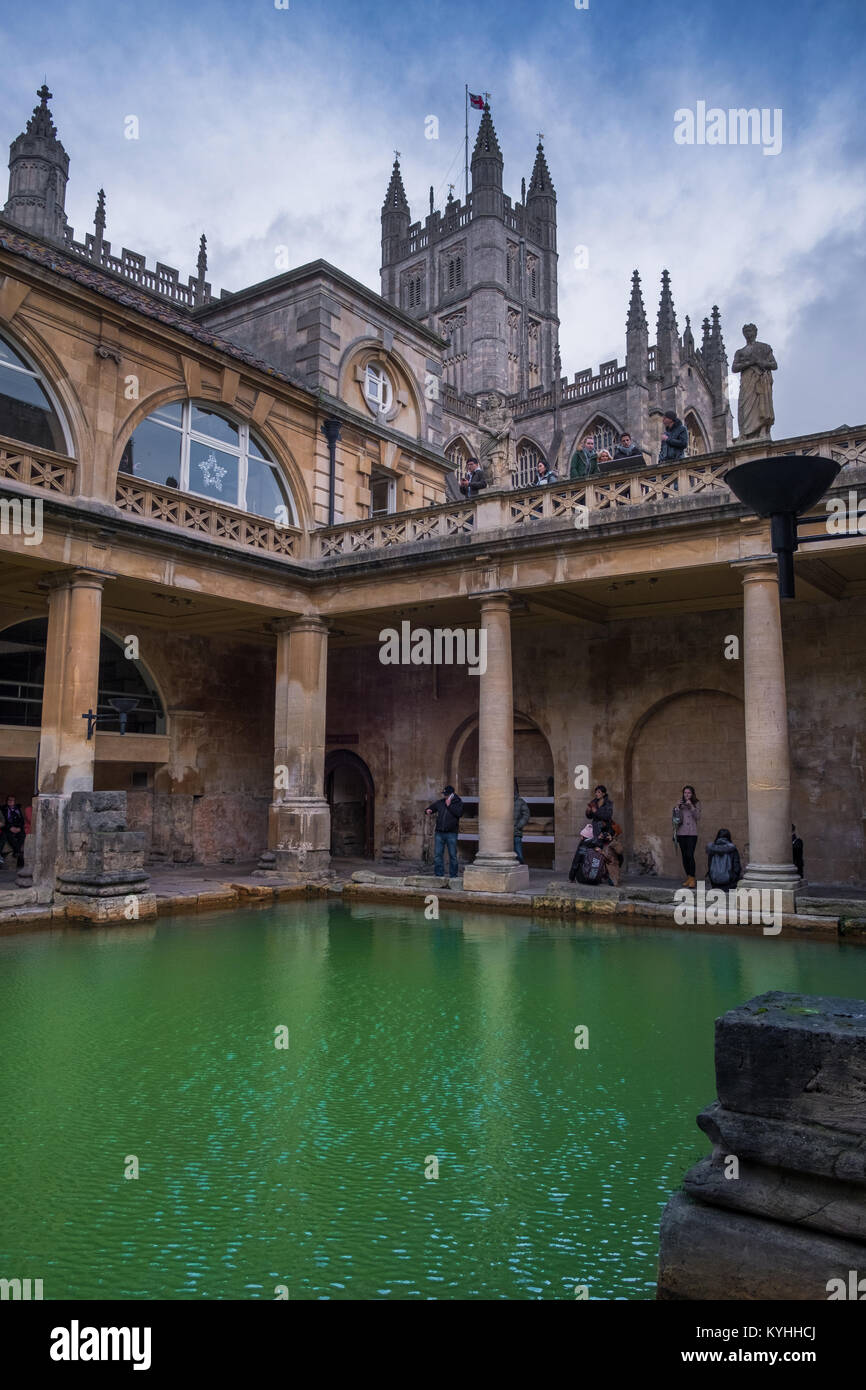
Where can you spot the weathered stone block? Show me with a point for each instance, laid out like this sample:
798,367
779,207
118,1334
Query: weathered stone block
820,1203
802,1147
708,1253
795,1057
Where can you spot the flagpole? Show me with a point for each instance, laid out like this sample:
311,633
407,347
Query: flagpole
466,149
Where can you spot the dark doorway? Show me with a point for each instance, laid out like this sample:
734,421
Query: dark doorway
349,789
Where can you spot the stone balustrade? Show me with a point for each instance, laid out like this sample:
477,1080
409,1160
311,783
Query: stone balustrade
228,525
39,468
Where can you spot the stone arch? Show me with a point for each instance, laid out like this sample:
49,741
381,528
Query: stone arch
706,726
31,635
698,442
354,360
351,795
605,430
534,772
56,383
281,455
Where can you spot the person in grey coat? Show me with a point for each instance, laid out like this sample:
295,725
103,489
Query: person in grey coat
522,815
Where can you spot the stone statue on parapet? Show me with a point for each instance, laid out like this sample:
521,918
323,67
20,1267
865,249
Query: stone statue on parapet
495,454
755,363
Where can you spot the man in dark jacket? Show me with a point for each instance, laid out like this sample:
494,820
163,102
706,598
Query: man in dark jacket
675,439
12,830
447,810
627,449
474,480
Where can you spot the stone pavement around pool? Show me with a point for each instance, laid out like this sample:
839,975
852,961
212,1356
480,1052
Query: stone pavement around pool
821,909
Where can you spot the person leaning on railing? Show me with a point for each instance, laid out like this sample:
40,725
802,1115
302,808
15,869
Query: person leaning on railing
474,480
544,474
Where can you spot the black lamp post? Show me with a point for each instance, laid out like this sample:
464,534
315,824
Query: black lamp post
123,705
331,431
783,488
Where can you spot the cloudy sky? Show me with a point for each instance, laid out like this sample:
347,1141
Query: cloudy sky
269,127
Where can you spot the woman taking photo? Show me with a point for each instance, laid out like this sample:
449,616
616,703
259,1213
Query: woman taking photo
686,819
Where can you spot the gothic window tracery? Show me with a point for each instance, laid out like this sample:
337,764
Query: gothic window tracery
528,458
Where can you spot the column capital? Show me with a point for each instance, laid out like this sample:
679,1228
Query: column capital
300,622
757,568
80,578
492,598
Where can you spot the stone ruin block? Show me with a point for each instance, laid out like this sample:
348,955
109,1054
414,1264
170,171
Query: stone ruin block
778,1211
101,874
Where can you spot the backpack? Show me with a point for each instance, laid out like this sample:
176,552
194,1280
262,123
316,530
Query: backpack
589,865
722,868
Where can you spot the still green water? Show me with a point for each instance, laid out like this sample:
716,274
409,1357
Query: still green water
408,1040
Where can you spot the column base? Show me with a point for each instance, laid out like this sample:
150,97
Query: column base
299,838
496,873
774,878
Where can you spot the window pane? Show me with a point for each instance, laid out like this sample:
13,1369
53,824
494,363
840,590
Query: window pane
8,354
256,449
153,453
214,426
26,412
265,497
213,473
172,414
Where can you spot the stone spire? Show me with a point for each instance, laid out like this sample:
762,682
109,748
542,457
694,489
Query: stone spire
688,341
201,263
636,337
667,320
541,199
99,225
636,311
38,171
667,338
395,198
486,165
715,364
395,229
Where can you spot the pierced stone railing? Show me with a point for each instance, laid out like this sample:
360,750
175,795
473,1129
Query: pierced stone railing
429,523
42,468
603,496
228,525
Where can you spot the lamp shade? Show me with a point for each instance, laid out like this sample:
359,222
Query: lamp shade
787,484
124,704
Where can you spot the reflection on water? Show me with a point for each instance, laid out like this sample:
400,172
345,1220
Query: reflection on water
408,1040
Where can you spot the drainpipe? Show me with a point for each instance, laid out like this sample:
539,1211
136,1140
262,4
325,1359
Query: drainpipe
331,431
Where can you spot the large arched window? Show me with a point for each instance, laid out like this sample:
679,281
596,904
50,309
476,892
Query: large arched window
192,447
26,411
22,676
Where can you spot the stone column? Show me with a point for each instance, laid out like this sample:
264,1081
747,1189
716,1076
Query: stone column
299,820
496,868
768,771
66,755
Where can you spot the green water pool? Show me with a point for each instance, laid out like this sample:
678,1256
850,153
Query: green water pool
308,1168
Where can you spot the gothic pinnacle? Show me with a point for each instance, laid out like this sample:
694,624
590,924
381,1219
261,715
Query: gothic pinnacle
202,257
667,319
636,311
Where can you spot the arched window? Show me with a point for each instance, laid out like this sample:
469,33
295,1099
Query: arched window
22,676
603,433
697,441
458,452
197,449
528,458
26,411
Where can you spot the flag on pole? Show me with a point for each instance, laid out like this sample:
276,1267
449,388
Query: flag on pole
477,102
